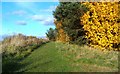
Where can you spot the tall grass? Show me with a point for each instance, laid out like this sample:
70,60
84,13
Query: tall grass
90,58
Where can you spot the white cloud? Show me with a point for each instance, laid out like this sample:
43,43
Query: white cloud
38,18
49,21
46,20
19,12
50,9
21,22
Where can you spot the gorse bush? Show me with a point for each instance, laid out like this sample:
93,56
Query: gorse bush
61,34
101,23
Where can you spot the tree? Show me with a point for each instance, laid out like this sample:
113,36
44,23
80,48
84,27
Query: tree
69,14
51,34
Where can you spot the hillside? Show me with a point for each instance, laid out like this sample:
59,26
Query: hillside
59,57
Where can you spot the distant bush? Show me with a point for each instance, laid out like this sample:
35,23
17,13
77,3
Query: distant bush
18,43
51,34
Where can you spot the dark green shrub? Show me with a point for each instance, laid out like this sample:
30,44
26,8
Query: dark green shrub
51,34
69,13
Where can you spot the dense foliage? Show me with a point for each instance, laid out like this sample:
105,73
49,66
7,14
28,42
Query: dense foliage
61,34
51,34
67,14
101,23
95,22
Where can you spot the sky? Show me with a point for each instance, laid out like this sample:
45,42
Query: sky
28,18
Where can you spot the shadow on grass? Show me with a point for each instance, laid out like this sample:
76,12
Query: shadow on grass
11,63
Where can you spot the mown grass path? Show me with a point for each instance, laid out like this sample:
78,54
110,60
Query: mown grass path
59,57
45,59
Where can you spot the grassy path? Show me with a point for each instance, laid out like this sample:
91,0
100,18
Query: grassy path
45,59
59,57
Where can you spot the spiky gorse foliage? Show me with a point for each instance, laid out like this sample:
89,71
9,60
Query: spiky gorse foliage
101,23
61,35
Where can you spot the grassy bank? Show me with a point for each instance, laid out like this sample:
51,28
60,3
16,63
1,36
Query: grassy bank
59,57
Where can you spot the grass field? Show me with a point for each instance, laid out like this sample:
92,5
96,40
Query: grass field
60,57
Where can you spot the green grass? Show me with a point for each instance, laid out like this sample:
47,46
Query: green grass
45,59
64,57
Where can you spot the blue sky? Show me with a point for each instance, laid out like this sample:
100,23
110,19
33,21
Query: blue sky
28,18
